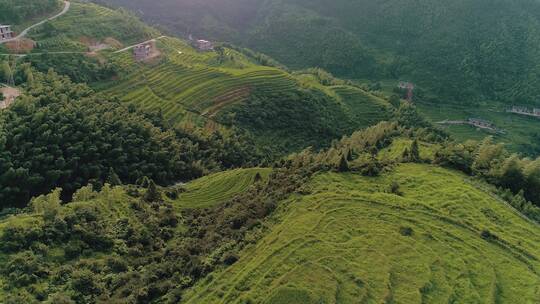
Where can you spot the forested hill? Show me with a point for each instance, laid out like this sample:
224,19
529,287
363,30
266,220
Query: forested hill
18,11
460,50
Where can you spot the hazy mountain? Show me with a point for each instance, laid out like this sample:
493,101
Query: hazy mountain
460,50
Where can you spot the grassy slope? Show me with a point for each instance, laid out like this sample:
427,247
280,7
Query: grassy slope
17,27
190,88
87,20
219,187
521,131
345,243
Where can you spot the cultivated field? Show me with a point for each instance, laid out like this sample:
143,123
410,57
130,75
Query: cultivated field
350,241
219,187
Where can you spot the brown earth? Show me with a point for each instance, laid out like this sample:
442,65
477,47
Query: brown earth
22,45
9,96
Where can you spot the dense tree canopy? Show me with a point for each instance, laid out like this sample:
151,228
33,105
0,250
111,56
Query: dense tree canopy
17,11
62,134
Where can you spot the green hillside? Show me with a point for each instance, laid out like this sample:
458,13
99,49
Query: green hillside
214,90
213,189
459,57
223,176
464,65
85,23
20,12
350,241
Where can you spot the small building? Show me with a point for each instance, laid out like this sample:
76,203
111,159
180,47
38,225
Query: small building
525,111
142,51
204,45
406,85
480,123
409,87
5,32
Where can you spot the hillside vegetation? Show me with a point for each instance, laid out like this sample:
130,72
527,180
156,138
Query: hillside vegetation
457,56
228,88
171,179
15,12
213,189
351,241
61,134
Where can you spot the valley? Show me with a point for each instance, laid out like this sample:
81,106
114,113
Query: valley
261,151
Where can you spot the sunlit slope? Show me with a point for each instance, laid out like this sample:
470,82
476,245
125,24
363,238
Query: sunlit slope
217,188
192,87
186,81
85,23
349,241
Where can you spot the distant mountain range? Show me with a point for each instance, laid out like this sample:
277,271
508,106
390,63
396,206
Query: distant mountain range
461,51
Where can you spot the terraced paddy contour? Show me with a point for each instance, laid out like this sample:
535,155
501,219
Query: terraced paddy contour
349,241
219,187
188,81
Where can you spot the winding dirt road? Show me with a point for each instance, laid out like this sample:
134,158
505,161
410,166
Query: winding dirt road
67,5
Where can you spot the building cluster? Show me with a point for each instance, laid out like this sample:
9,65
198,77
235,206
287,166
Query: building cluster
405,85
204,45
201,44
480,123
142,51
525,111
409,87
5,32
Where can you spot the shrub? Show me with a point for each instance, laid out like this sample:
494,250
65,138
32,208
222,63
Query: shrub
395,188
406,231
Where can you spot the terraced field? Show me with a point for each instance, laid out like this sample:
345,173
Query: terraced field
395,151
188,81
350,241
521,132
218,188
365,109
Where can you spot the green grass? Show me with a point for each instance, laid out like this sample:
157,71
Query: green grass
364,108
28,22
88,20
219,187
395,150
520,130
350,241
187,81
192,87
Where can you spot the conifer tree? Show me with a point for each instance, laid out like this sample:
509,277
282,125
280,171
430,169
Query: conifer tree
343,164
152,194
113,179
415,152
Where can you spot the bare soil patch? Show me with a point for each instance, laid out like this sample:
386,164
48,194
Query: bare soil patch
9,96
22,45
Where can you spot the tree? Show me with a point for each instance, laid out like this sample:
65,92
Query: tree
113,179
395,101
152,194
221,53
395,188
415,152
511,174
343,164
